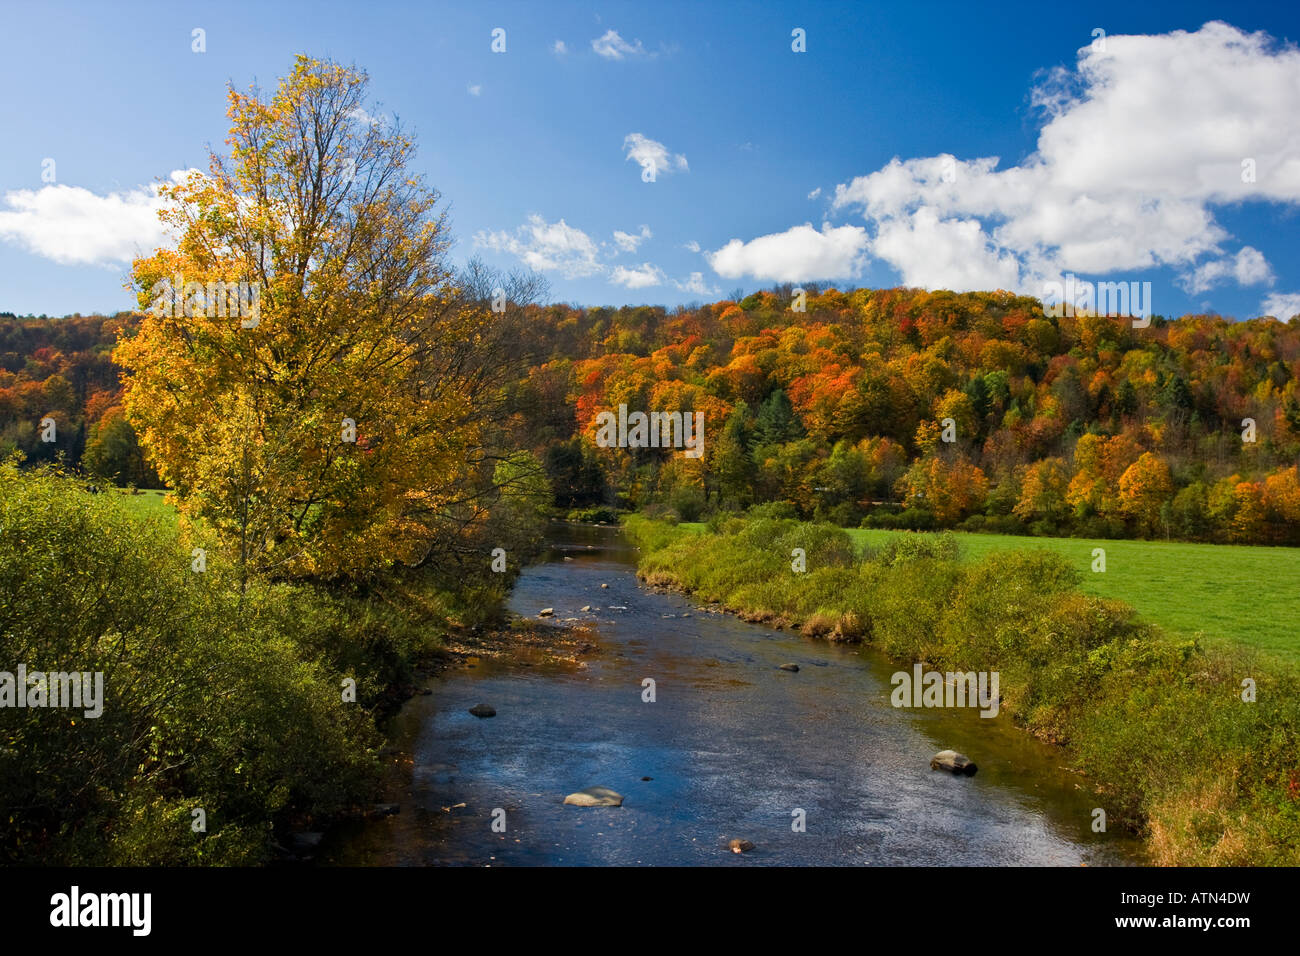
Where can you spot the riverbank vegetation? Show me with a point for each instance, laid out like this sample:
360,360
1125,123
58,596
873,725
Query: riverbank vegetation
343,494
1188,589
218,701
1158,724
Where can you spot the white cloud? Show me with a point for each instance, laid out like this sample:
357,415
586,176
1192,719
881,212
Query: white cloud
547,247
613,47
798,254
474,89
641,277
1281,305
74,226
559,48
652,155
695,283
693,246
815,193
361,116
945,254
1140,142
628,241
1247,267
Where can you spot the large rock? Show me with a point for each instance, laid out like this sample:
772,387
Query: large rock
953,762
483,710
546,612
792,668
740,846
595,797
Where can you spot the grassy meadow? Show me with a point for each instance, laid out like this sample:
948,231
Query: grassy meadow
1212,591
147,504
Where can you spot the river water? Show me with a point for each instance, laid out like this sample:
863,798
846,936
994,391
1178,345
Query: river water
733,746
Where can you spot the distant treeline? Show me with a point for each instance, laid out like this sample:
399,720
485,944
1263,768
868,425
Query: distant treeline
1189,428
63,369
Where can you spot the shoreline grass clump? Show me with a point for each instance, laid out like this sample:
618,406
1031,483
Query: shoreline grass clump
1158,722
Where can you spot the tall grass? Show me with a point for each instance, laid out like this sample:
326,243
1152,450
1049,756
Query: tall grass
1159,723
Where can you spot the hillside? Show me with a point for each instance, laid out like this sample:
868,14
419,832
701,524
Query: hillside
893,408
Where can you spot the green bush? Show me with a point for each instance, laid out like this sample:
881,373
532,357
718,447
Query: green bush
210,698
597,515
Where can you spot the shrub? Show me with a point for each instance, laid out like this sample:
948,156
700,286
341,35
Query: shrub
911,547
209,698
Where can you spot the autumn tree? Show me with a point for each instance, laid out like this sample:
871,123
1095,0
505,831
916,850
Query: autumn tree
334,413
1143,488
950,490
1042,491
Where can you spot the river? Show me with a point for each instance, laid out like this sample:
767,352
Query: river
732,744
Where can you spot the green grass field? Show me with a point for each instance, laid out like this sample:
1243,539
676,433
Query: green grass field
147,504
1216,591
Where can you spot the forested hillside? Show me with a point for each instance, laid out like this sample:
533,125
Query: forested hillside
890,408
62,369
1061,425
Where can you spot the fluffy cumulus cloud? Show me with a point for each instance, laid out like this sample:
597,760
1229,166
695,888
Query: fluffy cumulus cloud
694,283
613,47
628,241
1282,305
798,254
638,277
559,48
547,247
1140,142
652,156
559,247
1247,267
74,226
945,253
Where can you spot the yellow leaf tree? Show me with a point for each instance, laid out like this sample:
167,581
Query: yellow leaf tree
310,376
1143,488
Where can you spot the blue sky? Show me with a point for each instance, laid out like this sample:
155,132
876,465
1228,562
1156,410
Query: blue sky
866,160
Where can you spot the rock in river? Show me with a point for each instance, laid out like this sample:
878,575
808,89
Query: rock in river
952,761
740,846
793,668
483,710
546,612
595,797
